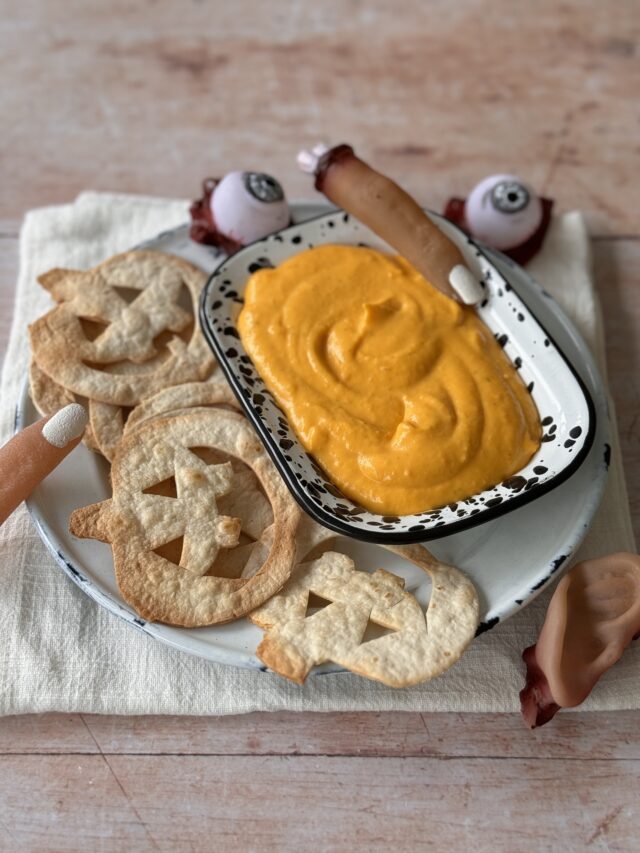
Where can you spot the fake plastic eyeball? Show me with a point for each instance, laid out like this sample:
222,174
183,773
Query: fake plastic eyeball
249,205
503,211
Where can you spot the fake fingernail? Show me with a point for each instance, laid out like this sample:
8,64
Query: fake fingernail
465,284
65,425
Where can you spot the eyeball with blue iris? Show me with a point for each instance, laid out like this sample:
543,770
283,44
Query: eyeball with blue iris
503,211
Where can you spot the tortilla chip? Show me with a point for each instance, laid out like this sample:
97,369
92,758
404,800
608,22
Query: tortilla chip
413,648
140,519
126,332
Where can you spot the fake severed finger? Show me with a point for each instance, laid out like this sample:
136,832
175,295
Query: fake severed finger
35,451
393,215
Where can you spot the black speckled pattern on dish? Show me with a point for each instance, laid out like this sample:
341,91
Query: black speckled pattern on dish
566,410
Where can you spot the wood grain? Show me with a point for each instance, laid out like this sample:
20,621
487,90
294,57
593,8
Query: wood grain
151,97
573,735
275,803
45,733
70,803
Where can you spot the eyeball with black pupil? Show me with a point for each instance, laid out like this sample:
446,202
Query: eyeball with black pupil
510,197
503,211
247,206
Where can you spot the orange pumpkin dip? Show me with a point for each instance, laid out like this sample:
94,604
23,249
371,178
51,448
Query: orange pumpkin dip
402,395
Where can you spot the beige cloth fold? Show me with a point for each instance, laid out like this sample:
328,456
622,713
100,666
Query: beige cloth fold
60,651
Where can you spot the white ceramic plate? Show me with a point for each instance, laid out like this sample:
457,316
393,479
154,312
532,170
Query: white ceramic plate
510,559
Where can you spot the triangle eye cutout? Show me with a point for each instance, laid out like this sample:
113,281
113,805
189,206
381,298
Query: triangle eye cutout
167,488
129,294
316,603
92,328
171,551
209,455
374,631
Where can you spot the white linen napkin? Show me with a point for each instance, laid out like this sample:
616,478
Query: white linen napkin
59,651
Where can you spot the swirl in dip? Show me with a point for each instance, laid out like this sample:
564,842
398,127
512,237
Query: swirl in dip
402,395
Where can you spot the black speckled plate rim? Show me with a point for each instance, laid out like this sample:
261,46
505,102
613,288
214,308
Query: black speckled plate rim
388,537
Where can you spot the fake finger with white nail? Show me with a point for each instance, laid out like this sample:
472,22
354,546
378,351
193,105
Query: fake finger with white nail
34,452
393,215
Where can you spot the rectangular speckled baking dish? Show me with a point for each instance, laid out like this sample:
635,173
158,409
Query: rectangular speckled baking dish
565,406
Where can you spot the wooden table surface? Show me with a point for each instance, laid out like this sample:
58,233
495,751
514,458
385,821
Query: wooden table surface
151,97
